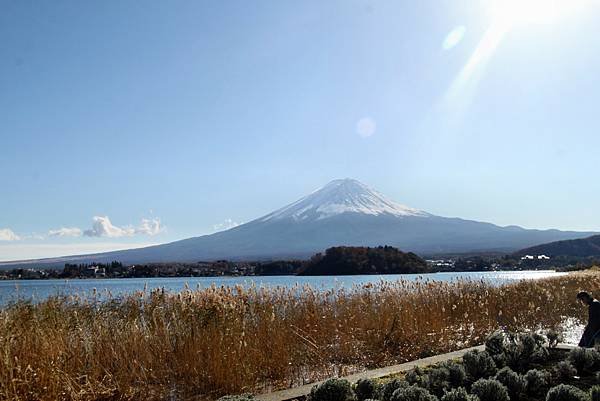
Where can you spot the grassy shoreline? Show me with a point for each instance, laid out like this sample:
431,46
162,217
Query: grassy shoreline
205,343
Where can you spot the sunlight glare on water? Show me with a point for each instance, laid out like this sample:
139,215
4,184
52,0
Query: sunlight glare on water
572,330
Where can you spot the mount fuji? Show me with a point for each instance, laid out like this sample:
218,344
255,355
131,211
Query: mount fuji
343,212
339,197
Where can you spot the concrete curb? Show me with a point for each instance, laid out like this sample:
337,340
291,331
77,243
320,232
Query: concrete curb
302,391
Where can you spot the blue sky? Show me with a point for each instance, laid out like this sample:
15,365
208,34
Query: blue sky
132,124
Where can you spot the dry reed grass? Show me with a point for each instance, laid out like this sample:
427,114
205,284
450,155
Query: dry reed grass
205,343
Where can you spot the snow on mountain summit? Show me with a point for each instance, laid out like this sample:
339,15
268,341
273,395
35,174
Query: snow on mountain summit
342,196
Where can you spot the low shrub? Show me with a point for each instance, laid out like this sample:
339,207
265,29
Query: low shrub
458,394
536,381
490,390
513,356
494,343
532,343
412,393
495,346
479,364
564,371
565,392
595,393
585,360
386,390
365,389
456,373
514,382
540,355
416,376
438,380
523,349
553,337
332,390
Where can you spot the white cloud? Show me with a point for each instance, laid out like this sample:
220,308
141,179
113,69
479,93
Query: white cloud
366,127
226,225
66,232
103,227
6,234
149,227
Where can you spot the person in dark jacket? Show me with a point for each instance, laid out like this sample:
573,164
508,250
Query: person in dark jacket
592,330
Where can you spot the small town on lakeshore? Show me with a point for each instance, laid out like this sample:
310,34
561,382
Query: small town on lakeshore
220,268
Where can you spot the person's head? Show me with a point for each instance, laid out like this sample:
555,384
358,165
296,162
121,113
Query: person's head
584,298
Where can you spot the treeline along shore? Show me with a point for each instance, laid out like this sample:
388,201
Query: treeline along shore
204,343
334,261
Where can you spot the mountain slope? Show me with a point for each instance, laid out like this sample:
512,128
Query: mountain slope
583,247
344,212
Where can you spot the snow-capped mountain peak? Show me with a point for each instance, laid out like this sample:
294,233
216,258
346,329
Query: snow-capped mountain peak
342,196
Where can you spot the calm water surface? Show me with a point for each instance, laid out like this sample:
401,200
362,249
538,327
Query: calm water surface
11,290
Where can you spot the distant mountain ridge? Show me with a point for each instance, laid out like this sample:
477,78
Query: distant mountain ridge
344,212
583,247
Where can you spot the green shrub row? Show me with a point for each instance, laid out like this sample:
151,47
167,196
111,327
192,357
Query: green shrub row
480,390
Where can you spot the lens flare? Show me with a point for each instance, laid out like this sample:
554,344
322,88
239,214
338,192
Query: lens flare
454,37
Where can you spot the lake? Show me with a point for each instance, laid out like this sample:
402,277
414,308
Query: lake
36,290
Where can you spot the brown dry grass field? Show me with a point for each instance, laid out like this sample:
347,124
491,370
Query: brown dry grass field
205,343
